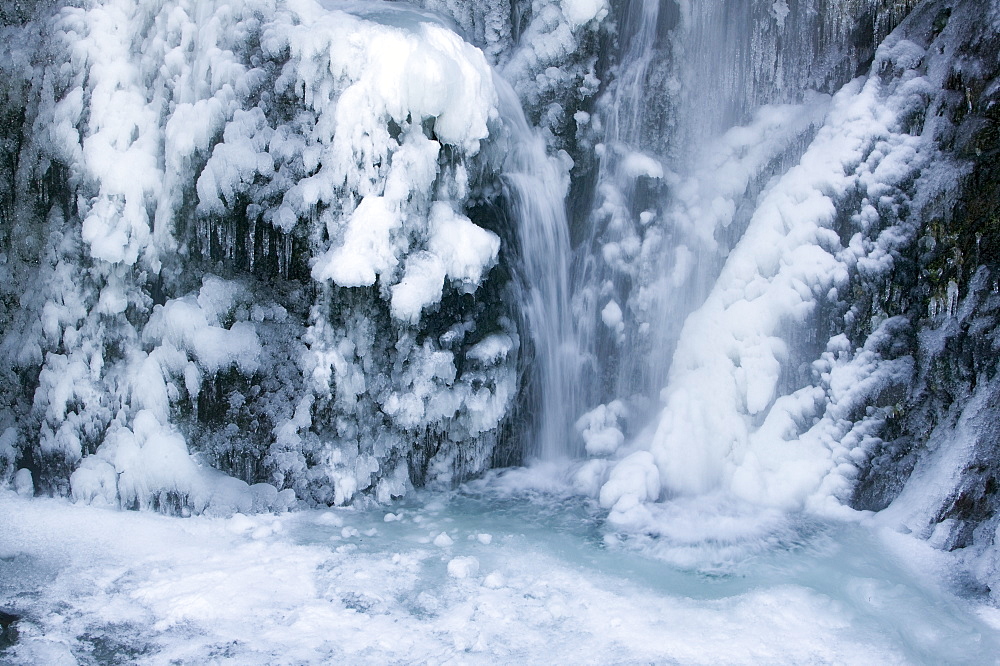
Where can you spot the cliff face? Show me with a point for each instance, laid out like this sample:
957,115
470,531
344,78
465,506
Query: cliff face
273,243
937,469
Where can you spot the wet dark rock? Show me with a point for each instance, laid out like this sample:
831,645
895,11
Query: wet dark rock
950,295
8,629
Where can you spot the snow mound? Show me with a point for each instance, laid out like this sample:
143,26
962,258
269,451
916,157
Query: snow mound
463,567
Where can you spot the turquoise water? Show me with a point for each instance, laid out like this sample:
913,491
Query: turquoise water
495,572
880,593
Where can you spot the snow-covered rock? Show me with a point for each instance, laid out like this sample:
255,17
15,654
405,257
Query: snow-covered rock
276,235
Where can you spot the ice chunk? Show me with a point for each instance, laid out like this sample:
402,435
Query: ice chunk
781,11
286,500
611,315
491,349
265,497
150,459
633,481
421,286
185,323
367,250
467,251
600,428
582,11
457,250
640,164
95,481
23,485
329,518
494,580
463,567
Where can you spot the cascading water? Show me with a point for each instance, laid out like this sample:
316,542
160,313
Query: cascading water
535,188
708,102
606,263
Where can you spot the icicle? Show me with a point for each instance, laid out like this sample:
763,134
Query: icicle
230,242
952,298
284,254
205,237
250,242
288,252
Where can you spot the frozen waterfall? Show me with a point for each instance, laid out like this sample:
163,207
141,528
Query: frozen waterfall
513,330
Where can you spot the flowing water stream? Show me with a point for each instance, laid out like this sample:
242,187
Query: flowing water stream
535,189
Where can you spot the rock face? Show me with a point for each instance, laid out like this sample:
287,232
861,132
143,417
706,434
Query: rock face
937,470
8,629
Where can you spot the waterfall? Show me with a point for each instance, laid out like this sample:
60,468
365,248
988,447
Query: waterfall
645,331
615,249
535,188
700,210
345,202
685,153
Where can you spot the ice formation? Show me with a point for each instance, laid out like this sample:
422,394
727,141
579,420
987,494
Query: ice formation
774,257
258,238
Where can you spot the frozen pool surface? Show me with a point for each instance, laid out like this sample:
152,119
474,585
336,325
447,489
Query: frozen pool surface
492,573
